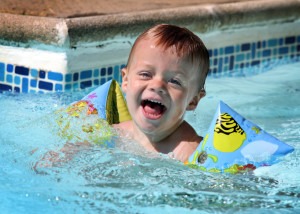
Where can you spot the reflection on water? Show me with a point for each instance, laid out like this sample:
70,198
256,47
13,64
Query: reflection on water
99,179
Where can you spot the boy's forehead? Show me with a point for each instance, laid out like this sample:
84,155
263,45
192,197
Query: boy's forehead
147,41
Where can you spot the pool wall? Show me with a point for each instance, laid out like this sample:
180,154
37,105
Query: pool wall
39,54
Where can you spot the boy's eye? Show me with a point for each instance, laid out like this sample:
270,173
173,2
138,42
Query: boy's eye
145,75
175,81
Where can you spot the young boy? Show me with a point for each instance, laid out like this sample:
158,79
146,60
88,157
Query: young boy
164,77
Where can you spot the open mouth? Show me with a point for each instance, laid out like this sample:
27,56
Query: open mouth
153,109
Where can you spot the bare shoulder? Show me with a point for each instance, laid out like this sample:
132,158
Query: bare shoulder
189,142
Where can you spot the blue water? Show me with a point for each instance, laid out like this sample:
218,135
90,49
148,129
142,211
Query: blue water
122,180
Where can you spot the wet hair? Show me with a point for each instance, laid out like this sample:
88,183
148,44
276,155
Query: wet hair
185,42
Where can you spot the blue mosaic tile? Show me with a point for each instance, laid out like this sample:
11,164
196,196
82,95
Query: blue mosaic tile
96,72
245,47
220,66
272,43
253,50
258,45
2,65
34,72
280,42
266,53
210,52
258,54
85,84
42,74
22,70
45,85
55,76
226,60
9,78
221,51
103,71
17,80
103,80
68,77
116,73
290,40
248,56
75,86
86,74
58,87
283,50
17,89
33,83
215,61
215,52
255,62
10,68
109,71
4,87
229,50
239,57
292,49
68,87
75,77
231,62
24,84
96,82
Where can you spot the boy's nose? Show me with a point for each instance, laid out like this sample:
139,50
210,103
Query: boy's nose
158,86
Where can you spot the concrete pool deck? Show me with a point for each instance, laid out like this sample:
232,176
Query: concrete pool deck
73,22
83,8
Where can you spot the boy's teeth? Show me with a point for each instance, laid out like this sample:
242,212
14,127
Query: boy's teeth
154,101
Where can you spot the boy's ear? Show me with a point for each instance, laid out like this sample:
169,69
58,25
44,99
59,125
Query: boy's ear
124,79
193,104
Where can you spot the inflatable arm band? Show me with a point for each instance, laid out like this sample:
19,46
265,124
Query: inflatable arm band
234,144
89,119
109,102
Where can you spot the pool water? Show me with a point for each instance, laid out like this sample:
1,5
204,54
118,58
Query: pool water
102,180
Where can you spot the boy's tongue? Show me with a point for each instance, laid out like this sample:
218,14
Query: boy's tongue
152,109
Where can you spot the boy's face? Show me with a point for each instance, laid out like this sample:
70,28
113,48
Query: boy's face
160,86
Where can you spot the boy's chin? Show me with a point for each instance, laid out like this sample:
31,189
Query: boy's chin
149,126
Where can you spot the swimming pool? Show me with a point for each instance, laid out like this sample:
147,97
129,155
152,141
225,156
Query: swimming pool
76,54
120,181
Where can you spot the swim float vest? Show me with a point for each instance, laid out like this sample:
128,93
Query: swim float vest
232,143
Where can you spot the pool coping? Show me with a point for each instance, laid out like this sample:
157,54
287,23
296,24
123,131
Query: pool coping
18,30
